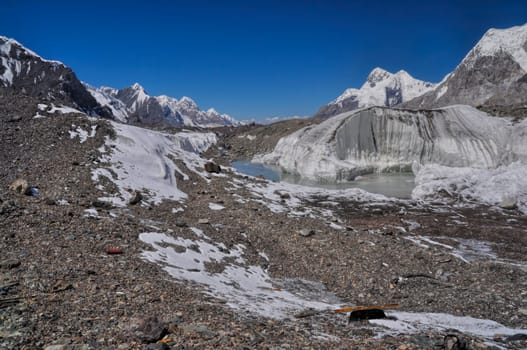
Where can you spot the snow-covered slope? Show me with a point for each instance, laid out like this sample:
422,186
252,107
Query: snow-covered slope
143,160
382,88
104,98
494,72
133,104
385,139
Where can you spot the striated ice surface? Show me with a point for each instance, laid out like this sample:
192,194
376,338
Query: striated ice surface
382,139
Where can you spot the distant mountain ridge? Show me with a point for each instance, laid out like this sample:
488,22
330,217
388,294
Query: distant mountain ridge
22,71
381,88
133,104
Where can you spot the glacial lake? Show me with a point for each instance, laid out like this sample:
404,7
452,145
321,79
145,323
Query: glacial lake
398,185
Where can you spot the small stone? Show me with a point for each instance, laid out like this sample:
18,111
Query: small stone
454,342
20,186
212,167
157,346
150,329
50,201
100,204
517,337
202,330
203,221
68,347
306,233
15,118
509,203
522,311
136,198
180,223
9,263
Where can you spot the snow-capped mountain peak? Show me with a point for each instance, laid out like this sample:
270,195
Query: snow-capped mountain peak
212,111
381,88
378,75
137,86
187,102
512,41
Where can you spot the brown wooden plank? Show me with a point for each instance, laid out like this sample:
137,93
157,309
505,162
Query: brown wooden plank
366,307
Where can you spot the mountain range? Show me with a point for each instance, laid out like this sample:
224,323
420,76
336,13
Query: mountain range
492,74
23,71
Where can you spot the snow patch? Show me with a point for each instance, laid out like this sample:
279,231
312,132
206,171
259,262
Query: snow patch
82,134
244,287
142,160
63,109
442,91
215,206
409,323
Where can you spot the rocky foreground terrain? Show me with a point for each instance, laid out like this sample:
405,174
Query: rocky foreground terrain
74,272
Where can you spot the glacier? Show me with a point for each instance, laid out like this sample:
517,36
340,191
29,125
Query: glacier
381,139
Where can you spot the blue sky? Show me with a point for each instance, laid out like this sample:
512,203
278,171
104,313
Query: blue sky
253,59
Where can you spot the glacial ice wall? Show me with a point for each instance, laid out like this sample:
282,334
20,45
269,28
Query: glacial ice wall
381,139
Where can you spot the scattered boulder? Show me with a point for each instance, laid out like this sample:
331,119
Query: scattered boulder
15,118
181,223
283,195
9,264
20,186
509,203
136,198
100,204
306,233
50,201
150,329
517,337
370,314
157,346
455,342
68,347
203,221
212,167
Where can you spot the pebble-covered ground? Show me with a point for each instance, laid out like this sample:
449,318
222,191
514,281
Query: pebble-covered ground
61,289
